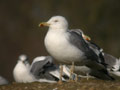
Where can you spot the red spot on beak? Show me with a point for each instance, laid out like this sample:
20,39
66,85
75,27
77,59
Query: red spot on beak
41,25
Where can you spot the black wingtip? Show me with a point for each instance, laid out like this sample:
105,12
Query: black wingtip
102,74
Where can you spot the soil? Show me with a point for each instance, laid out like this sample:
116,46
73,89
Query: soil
83,84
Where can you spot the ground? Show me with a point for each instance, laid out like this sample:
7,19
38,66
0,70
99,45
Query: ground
83,84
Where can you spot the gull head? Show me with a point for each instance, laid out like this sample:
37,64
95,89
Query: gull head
23,58
56,22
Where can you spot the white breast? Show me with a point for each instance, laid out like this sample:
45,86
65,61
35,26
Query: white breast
22,73
58,46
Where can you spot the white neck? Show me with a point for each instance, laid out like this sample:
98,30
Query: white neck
57,30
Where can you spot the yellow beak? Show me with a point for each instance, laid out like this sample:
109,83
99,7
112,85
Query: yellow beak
43,24
86,37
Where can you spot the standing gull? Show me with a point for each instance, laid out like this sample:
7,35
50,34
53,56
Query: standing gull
67,46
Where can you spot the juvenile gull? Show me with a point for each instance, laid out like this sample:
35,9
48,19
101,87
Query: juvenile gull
21,72
67,46
42,69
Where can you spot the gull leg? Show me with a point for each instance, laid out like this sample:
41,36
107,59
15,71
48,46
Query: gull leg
76,78
87,76
71,71
61,73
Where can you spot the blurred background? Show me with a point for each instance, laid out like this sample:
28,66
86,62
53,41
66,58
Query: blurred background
20,34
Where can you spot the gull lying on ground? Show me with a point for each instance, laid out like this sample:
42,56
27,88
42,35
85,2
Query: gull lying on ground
42,69
3,81
113,64
21,72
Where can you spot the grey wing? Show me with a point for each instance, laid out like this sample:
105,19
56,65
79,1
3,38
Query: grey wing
110,60
98,51
37,67
78,41
78,31
91,45
42,69
38,64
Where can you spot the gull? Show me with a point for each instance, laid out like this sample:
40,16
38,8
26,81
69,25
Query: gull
68,46
42,69
3,81
21,72
113,64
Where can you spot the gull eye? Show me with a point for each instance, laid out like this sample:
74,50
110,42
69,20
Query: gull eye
56,21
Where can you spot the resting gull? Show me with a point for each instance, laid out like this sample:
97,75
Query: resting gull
113,64
3,81
68,46
21,72
42,69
